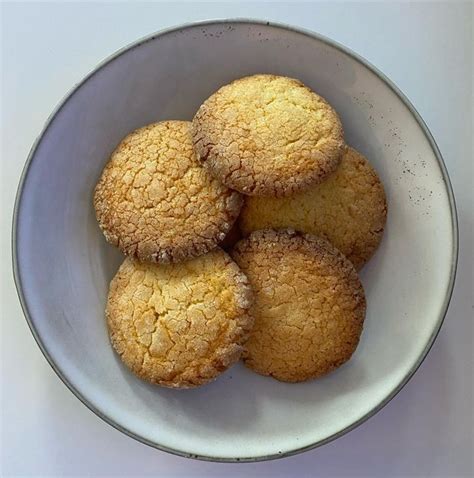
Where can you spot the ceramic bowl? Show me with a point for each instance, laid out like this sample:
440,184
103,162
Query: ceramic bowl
63,265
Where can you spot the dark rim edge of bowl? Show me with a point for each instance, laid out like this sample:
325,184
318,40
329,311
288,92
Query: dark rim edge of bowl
434,147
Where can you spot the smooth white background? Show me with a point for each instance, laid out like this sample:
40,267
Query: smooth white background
426,48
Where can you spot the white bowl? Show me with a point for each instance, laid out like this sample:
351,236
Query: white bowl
63,265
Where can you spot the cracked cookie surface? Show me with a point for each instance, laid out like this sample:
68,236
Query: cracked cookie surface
267,135
179,325
349,209
309,305
156,202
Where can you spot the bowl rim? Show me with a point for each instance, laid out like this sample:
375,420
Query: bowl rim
282,26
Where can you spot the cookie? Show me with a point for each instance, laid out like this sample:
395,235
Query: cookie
348,209
179,325
267,135
155,201
309,304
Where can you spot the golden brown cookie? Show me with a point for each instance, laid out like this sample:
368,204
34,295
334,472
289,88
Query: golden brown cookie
267,135
155,201
309,304
179,325
348,209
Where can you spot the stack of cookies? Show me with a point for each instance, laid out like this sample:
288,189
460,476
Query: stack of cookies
263,172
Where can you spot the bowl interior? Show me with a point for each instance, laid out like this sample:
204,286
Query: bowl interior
64,265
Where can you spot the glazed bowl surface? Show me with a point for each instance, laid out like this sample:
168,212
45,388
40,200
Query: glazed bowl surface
63,265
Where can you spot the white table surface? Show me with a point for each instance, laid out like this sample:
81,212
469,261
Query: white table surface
426,48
